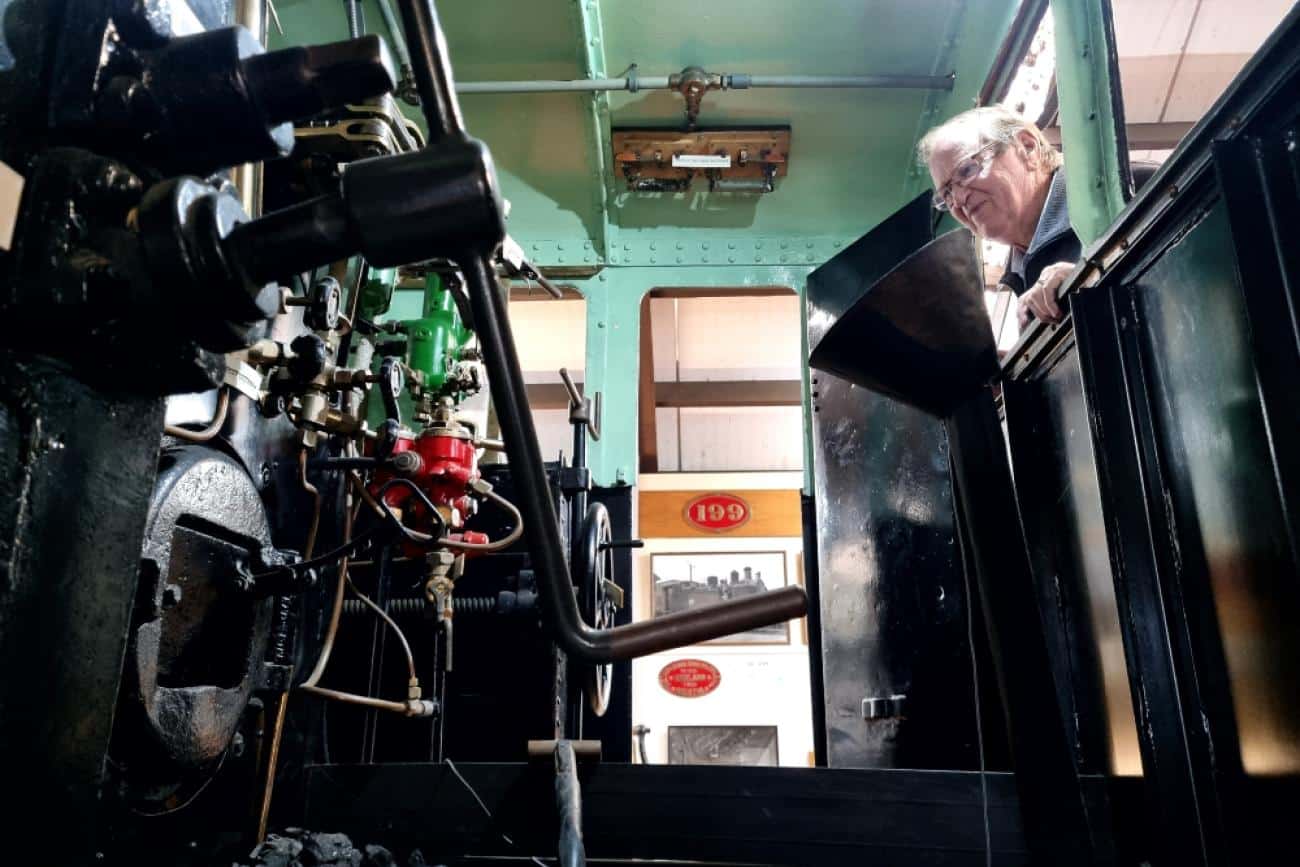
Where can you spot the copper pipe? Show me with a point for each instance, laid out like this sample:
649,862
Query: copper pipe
383,615
307,486
327,647
207,433
272,760
363,700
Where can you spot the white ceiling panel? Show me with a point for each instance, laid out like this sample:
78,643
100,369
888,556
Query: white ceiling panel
1147,28
1235,26
1145,82
1202,78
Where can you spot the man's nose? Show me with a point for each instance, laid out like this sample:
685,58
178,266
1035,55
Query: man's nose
960,195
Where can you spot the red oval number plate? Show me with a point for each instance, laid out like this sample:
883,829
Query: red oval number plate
717,513
689,678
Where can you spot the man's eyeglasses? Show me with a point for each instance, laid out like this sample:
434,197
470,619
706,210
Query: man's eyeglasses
970,168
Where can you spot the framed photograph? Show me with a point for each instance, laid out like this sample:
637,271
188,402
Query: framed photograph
723,745
683,582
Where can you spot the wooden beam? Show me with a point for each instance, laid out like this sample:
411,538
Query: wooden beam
756,392
745,392
647,435
1141,136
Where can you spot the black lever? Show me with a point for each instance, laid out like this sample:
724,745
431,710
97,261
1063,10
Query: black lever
391,381
296,83
167,107
582,410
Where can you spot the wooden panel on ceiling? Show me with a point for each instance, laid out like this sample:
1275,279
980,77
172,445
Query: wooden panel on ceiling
662,514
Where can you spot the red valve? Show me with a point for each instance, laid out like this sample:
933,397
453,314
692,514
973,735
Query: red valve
443,464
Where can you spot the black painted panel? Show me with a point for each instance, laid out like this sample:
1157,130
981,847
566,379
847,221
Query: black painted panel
1214,444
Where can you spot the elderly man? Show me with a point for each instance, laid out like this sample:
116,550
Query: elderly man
1001,179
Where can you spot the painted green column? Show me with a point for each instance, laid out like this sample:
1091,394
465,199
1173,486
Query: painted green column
1088,122
612,368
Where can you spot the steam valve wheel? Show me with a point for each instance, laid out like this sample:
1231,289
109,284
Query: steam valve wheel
599,596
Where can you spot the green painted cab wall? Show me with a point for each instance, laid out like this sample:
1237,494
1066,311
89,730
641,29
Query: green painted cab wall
851,161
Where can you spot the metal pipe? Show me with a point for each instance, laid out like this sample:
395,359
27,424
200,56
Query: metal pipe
905,82
568,803
355,22
580,85
425,41
248,177
575,637
399,41
730,82
213,428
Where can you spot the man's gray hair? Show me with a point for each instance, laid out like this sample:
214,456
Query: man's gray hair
990,123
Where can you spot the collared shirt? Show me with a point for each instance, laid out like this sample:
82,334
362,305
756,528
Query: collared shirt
1053,241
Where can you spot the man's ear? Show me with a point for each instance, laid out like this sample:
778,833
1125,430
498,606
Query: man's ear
1027,148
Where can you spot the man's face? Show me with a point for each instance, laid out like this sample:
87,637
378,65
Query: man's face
998,203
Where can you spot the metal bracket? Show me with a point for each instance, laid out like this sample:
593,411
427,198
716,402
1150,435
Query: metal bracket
884,707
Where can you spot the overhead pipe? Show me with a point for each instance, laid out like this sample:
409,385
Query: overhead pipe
731,81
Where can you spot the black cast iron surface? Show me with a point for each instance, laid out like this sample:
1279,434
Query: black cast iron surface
889,582
772,816
919,333
76,470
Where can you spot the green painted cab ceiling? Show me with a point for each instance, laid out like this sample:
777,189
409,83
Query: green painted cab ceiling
850,160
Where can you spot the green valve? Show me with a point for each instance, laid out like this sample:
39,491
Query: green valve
377,293
433,343
436,335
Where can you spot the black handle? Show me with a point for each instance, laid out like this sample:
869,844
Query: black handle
296,83
391,382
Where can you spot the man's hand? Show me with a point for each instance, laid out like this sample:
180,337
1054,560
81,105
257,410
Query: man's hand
1040,300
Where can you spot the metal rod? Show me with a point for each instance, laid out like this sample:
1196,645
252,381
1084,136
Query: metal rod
579,640
906,82
579,85
428,47
399,41
355,23
568,803
251,14
730,82
272,761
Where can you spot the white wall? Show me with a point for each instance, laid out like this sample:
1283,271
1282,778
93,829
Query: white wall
762,685
549,335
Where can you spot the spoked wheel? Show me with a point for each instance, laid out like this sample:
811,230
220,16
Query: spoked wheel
595,573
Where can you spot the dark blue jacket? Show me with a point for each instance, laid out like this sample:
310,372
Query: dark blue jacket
1054,241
